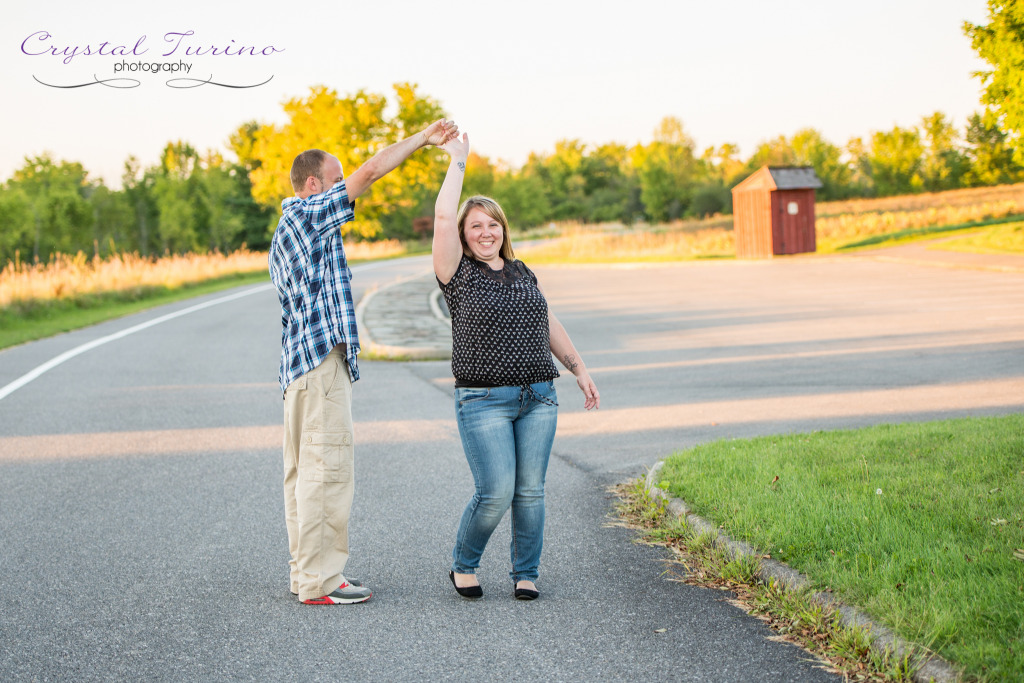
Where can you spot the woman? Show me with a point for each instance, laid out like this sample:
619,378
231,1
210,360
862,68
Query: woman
503,337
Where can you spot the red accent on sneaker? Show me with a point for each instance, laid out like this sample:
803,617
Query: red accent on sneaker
319,601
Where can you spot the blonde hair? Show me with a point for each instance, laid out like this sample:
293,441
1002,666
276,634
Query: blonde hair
492,209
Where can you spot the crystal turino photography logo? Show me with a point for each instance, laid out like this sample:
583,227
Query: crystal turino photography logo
124,64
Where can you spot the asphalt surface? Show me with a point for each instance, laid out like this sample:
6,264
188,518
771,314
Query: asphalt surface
140,503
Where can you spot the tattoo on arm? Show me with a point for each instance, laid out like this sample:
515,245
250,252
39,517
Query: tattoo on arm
570,362
462,167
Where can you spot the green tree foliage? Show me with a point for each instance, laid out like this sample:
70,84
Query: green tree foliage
1001,43
353,129
177,191
523,198
810,148
137,186
944,163
776,152
61,217
113,220
990,157
481,175
858,160
666,169
220,198
807,147
611,186
16,225
198,202
896,161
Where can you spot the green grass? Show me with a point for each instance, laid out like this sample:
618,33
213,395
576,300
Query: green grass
1004,238
917,524
891,239
45,319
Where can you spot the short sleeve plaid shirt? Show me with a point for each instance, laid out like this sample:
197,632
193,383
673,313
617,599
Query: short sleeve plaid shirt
314,283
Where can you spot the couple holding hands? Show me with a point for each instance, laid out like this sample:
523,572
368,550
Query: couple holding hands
503,339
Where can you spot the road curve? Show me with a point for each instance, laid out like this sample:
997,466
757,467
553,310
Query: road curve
140,504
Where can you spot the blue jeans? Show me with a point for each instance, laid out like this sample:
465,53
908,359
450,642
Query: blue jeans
507,434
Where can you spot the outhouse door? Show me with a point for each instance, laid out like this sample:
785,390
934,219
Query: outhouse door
793,224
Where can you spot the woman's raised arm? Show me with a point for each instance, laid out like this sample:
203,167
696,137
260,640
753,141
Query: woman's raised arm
447,247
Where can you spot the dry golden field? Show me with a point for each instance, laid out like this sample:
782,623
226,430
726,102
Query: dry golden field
68,277
838,224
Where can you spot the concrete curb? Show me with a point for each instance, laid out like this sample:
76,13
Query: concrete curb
435,307
395,351
932,668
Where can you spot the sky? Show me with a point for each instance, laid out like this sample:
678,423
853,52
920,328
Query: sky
518,77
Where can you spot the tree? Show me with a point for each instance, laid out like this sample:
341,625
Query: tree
944,163
353,129
222,202
807,147
810,148
859,162
777,152
16,224
138,190
611,188
113,220
177,198
62,220
1001,43
523,199
666,169
989,155
480,176
896,161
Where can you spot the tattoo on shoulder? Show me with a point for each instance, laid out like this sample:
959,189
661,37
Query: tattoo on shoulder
570,362
462,167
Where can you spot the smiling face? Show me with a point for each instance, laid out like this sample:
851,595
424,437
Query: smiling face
483,235
483,230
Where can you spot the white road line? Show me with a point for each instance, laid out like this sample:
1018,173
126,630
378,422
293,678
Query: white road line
68,355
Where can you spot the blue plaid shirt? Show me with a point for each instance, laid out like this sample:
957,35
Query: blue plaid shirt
314,283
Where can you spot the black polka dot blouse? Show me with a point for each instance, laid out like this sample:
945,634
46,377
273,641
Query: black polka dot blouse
500,333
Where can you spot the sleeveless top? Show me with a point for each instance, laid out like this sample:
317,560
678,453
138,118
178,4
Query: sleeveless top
500,333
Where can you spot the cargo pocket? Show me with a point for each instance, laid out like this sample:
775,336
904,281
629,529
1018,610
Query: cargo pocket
326,457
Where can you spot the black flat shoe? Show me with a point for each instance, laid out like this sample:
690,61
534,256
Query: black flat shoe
468,591
526,594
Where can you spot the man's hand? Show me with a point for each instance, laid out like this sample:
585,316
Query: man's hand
386,160
440,132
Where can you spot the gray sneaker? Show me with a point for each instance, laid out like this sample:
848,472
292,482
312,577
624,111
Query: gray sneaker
345,594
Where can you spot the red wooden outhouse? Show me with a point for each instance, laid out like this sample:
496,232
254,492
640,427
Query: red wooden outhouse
773,212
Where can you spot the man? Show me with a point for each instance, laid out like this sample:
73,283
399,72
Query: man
319,345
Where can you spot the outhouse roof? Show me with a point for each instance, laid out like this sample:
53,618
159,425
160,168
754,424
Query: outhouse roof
794,177
780,178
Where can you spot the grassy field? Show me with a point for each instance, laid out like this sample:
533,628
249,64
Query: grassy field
1002,238
37,300
70,292
579,244
45,319
841,226
921,525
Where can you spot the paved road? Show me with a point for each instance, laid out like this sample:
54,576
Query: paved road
140,510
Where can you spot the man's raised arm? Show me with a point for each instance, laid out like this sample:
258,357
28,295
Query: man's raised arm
389,158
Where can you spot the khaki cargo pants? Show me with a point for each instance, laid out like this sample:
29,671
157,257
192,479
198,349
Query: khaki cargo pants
318,475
